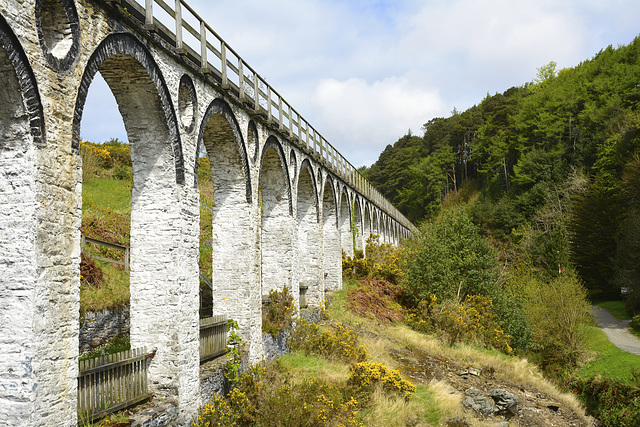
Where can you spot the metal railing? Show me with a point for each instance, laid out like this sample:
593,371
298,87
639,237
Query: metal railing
214,56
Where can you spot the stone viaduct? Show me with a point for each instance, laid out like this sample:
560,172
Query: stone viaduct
285,199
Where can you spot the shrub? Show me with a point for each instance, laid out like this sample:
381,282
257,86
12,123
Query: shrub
90,273
613,403
277,313
366,374
472,321
268,395
635,322
384,261
449,257
341,343
556,309
378,298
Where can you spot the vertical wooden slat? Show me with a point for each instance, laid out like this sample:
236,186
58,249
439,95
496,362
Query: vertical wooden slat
178,9
269,116
256,93
148,8
204,64
223,64
241,78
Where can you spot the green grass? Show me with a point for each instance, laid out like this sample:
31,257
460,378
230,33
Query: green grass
610,361
616,308
107,193
312,366
113,293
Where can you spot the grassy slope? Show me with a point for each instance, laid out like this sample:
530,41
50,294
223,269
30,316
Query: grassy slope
433,403
106,209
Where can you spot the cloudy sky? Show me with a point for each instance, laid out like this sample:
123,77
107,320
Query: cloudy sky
364,72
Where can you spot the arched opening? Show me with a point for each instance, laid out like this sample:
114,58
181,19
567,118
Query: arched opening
309,241
358,234
344,222
18,245
366,226
163,297
331,248
278,226
229,257
375,226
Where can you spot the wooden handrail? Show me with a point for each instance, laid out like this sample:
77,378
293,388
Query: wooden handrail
321,149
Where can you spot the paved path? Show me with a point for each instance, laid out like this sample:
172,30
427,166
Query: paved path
616,330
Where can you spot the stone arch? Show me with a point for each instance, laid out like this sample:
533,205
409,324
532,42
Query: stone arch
293,165
21,134
118,48
344,221
187,103
226,121
366,224
278,227
331,245
232,254
158,308
358,223
375,227
309,251
252,140
58,32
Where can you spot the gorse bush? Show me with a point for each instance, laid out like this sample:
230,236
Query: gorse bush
367,374
339,343
278,312
472,321
384,261
267,395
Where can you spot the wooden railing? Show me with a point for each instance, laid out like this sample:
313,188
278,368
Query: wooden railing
215,57
84,240
110,383
213,337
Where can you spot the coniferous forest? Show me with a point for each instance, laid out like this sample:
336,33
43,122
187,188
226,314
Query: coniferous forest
552,169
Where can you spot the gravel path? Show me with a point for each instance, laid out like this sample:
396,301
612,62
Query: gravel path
616,330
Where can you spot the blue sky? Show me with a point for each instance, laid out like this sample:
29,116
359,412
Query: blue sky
364,72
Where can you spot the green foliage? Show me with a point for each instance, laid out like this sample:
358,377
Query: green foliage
556,310
594,217
234,355
339,343
384,261
472,321
614,403
268,395
114,345
366,375
278,312
449,258
635,323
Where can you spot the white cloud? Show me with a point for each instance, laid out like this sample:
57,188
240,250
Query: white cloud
366,117
364,72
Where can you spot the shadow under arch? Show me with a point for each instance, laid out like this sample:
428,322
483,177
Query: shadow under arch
309,242
119,45
219,107
306,164
331,242
345,221
272,142
278,227
26,80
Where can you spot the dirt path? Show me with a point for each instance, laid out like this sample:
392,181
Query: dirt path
616,330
